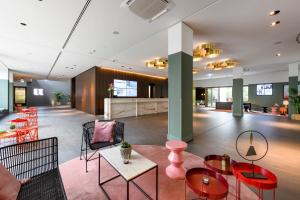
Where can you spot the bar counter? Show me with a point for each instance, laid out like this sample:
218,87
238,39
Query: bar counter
128,107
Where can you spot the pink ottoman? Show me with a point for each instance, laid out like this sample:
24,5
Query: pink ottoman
176,169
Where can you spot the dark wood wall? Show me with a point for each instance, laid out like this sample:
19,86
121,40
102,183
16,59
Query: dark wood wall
90,88
73,91
106,76
85,97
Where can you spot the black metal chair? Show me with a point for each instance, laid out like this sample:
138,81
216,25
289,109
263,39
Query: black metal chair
38,162
87,136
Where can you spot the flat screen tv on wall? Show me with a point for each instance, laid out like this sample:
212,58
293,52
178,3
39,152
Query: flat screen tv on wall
125,88
264,89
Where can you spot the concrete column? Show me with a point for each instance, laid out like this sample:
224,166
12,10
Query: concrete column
3,86
10,91
237,92
180,57
293,85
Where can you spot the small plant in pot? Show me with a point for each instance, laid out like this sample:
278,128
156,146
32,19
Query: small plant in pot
58,96
125,152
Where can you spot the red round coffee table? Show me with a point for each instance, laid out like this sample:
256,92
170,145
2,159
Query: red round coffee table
217,188
268,183
176,169
219,164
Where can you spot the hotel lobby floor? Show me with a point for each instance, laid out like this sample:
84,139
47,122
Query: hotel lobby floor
214,133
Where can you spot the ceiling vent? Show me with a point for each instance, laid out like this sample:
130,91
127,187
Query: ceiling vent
148,9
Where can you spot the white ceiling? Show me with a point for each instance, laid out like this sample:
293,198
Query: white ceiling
241,28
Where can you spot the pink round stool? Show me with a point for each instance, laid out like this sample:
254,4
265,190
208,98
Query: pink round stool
176,169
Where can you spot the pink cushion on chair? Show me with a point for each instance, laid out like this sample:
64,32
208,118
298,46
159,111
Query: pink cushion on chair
9,185
104,131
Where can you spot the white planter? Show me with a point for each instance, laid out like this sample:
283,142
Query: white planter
296,116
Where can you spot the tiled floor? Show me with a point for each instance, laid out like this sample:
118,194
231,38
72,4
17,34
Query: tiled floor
214,133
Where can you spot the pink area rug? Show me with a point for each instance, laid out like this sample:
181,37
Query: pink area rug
81,185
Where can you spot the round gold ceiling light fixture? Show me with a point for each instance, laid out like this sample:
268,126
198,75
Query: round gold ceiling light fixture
158,63
220,65
207,50
196,71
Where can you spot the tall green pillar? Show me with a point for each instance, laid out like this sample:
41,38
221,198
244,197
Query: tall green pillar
180,77
11,91
293,85
237,92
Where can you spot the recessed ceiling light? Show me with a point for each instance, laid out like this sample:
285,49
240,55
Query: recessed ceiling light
116,32
23,24
279,42
275,23
210,75
274,12
278,54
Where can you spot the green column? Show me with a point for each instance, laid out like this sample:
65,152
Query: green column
237,97
293,85
180,77
11,92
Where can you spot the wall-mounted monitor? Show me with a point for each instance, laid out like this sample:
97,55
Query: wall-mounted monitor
125,88
264,89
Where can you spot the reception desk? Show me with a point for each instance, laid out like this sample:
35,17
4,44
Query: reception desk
128,107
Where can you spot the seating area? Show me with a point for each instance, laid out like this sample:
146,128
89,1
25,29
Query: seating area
140,99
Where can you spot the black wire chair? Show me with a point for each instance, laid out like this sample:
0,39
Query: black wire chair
38,162
87,136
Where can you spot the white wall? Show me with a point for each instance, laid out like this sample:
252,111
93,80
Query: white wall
274,77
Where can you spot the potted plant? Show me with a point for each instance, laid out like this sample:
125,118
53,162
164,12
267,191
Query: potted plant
125,152
295,102
110,90
12,127
58,96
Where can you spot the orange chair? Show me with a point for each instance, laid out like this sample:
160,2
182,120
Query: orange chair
27,134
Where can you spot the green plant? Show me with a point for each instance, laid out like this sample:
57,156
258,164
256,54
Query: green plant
58,96
12,126
295,99
1,131
125,145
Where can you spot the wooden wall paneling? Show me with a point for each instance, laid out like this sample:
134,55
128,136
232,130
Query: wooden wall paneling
104,77
85,95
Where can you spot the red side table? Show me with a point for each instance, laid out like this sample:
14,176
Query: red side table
217,188
219,164
176,169
269,183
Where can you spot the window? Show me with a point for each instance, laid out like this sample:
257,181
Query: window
215,96
38,92
245,93
226,94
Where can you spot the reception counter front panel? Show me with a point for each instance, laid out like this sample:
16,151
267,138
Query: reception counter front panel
127,107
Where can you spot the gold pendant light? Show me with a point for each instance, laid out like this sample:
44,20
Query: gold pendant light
206,50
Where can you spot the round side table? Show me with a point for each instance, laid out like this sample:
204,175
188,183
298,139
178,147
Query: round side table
216,188
219,164
269,182
176,169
